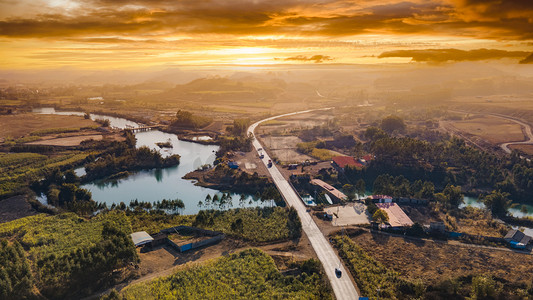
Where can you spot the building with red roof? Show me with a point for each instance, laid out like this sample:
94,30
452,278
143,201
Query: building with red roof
343,161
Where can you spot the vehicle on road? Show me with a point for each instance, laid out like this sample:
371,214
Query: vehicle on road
261,155
338,272
269,163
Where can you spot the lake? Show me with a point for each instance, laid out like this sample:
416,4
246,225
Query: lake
158,184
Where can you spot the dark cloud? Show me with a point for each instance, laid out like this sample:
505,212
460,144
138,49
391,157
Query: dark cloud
494,19
315,58
445,55
528,59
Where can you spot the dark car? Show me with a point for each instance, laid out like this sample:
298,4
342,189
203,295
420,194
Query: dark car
338,272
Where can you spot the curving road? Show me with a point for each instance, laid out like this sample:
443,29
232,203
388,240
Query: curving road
342,287
505,146
529,134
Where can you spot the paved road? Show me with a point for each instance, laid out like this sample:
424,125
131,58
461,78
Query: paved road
342,287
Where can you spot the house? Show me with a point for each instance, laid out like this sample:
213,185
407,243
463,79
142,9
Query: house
397,217
340,162
517,239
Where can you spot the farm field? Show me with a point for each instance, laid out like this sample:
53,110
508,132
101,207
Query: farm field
18,125
519,106
492,129
244,275
68,141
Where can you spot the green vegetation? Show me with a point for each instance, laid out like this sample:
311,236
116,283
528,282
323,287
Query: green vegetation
18,169
70,255
448,161
60,130
250,274
188,120
380,216
239,127
16,280
392,123
258,225
368,273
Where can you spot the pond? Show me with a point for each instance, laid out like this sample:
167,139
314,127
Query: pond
515,211
158,184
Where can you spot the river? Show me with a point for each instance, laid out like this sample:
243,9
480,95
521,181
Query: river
158,184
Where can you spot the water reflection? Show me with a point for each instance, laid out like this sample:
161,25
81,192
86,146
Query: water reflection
157,184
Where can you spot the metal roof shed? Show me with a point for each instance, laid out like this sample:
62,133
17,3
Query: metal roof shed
140,238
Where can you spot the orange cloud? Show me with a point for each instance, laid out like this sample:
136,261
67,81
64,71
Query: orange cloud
496,19
315,58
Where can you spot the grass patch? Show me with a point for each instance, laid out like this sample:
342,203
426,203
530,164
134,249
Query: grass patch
321,154
16,169
250,274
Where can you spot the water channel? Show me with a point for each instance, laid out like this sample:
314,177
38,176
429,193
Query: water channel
158,184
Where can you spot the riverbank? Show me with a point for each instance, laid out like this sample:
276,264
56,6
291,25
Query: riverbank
223,178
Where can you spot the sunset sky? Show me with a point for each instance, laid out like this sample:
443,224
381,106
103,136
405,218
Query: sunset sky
100,34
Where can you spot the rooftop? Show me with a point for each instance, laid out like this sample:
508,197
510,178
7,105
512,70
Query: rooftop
329,188
343,161
141,237
517,236
397,217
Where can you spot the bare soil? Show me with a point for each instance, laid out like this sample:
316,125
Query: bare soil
19,125
433,261
164,260
528,149
15,208
494,130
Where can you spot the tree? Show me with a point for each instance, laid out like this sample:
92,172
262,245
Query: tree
392,123
71,177
349,190
497,202
453,195
380,216
374,133
483,287
237,225
360,187
427,191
